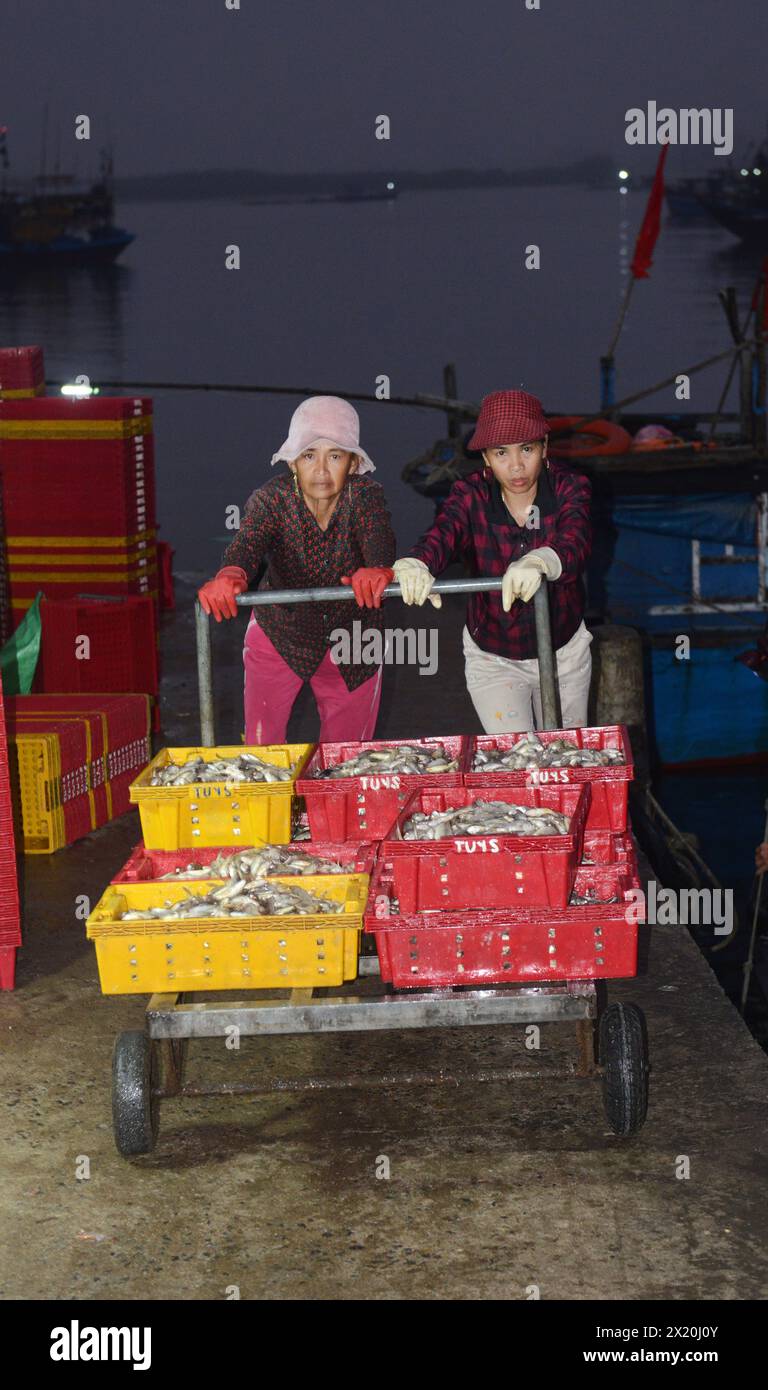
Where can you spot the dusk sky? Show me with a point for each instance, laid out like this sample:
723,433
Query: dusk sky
188,84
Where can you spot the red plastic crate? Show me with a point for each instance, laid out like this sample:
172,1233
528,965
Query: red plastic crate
126,717
496,871
447,949
8,967
123,646
610,785
77,409
89,487
151,863
363,808
165,554
21,367
605,847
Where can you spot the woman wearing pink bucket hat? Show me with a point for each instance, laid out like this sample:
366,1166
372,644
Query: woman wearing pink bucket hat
320,524
520,517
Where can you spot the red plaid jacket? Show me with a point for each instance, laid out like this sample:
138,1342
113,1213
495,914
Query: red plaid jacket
475,527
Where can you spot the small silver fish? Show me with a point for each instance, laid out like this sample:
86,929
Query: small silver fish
485,818
245,768
404,758
531,751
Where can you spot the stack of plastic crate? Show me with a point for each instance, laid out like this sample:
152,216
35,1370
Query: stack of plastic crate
22,373
10,917
5,593
484,908
79,494
73,759
99,645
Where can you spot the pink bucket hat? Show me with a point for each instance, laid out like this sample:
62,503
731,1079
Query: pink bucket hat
328,419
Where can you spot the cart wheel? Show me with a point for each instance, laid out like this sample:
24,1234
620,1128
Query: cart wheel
135,1112
624,1059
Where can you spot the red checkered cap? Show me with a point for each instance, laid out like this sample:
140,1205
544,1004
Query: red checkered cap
508,417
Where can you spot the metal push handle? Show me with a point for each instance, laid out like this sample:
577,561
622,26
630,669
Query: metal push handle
344,591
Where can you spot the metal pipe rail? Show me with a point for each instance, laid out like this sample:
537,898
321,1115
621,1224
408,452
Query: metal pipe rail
344,592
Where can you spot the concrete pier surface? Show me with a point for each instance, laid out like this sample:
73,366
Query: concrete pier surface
491,1188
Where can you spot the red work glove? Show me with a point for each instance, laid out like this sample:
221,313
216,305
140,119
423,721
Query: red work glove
368,585
218,595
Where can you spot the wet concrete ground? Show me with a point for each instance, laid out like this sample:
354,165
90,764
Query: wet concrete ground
492,1188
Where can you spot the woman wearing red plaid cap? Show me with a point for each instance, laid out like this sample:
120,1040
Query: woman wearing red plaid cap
521,517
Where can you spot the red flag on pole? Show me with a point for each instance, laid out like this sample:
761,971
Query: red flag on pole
648,234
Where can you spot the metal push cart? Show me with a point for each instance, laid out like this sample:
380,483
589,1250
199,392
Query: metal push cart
611,1040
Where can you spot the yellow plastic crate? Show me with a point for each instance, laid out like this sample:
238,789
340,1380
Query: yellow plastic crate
35,768
219,813
218,953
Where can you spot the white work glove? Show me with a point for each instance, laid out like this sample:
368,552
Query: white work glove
415,582
523,577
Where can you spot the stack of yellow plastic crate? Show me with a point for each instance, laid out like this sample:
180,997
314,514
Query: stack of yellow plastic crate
144,956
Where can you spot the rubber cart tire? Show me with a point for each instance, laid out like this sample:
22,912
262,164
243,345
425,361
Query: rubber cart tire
135,1111
624,1059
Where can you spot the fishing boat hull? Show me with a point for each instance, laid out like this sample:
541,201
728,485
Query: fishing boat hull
747,221
99,249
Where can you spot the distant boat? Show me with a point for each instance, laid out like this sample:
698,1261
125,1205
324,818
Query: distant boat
345,193
49,221
684,198
738,200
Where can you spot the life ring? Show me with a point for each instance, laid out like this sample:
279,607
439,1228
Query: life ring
614,439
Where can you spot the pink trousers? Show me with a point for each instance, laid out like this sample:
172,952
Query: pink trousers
271,688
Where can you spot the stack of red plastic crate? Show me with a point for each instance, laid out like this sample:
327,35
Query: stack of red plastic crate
22,373
493,909
79,494
10,918
99,645
73,758
5,593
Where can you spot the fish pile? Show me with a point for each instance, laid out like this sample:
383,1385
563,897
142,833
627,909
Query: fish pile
530,751
245,768
239,899
403,759
590,899
486,818
258,863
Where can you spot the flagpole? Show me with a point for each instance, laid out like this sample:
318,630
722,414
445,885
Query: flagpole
641,263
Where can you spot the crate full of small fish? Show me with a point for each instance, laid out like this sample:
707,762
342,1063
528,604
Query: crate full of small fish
353,791
215,934
560,757
254,862
192,797
470,847
594,937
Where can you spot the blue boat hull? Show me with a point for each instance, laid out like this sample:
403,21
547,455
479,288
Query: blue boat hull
67,250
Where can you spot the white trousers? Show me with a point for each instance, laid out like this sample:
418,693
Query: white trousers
507,695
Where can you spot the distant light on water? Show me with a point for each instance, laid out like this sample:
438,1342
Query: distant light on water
390,185
744,172
623,173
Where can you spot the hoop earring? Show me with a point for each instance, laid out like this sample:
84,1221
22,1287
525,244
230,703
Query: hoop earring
487,473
